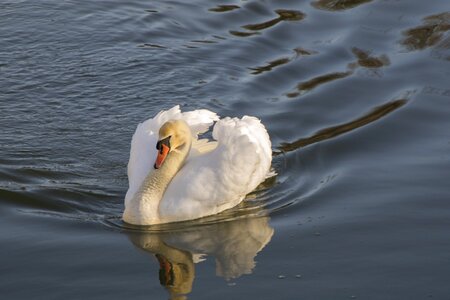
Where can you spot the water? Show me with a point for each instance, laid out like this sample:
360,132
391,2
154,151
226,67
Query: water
355,96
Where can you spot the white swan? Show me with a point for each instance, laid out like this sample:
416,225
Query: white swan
193,178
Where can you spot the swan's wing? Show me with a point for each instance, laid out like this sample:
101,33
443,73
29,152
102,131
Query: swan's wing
199,120
246,139
220,179
200,147
143,143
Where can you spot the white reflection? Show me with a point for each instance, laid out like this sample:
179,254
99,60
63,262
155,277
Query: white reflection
233,244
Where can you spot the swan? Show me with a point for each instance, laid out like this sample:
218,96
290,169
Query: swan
175,176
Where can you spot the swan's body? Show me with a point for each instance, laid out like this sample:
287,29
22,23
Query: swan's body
197,178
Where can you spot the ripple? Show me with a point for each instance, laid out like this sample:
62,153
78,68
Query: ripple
54,189
300,51
153,46
441,50
94,204
308,85
83,217
334,131
33,175
272,64
244,210
271,196
367,61
284,15
280,61
337,5
204,41
428,34
224,8
242,33
28,199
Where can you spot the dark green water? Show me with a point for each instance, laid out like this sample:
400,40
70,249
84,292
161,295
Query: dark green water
355,96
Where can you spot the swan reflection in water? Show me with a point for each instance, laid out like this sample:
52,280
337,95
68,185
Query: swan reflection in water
233,244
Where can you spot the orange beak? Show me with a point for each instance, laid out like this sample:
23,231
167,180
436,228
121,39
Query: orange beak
162,154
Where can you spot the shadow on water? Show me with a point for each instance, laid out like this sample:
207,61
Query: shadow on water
280,61
308,85
334,131
242,33
337,5
270,65
283,15
234,246
364,60
224,8
429,34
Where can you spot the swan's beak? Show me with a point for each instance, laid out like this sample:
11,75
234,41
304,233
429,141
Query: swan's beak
163,147
166,274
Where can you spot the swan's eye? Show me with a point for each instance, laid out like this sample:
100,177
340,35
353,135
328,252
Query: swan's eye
165,141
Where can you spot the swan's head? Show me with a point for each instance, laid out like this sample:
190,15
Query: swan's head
173,135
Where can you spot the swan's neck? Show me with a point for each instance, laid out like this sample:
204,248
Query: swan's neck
143,207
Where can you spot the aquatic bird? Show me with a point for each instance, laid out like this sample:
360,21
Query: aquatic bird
176,176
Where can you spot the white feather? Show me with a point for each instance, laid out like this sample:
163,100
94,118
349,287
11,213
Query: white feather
216,175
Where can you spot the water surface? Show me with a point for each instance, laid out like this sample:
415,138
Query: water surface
355,96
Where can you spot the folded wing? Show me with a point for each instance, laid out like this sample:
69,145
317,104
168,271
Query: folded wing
220,179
